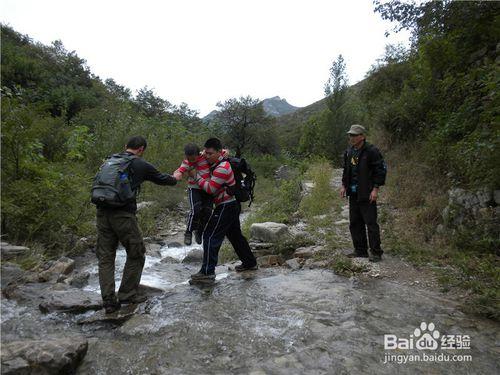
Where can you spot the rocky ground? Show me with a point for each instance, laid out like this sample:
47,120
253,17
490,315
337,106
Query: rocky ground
293,315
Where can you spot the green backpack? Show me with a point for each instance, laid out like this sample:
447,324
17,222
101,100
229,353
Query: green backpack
112,186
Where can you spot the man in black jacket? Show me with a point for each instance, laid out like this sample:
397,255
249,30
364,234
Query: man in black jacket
364,173
120,225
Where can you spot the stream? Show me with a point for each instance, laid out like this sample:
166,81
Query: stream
271,321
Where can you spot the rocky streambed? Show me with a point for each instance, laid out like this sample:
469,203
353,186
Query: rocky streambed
285,318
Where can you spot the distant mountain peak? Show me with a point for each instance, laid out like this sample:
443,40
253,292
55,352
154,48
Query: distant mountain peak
275,106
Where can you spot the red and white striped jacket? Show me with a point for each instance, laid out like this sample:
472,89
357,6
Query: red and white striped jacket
216,183
202,169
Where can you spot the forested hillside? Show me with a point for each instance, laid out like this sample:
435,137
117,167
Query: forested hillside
433,110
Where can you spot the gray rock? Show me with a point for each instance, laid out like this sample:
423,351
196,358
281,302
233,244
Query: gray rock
294,263
313,264
11,273
341,222
260,245
174,244
118,317
269,232
47,356
169,260
145,204
74,301
153,249
12,251
79,280
63,266
194,256
306,252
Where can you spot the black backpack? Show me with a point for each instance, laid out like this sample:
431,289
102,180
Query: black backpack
112,186
245,178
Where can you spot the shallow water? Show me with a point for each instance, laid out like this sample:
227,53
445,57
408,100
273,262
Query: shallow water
272,321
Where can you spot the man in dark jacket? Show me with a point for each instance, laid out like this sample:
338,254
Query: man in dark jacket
120,225
364,173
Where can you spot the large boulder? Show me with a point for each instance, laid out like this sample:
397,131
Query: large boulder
269,232
12,251
194,256
63,266
47,356
73,301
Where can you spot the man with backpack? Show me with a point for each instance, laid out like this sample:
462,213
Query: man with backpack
225,220
114,192
364,173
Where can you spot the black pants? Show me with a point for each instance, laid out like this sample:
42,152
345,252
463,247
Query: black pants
363,217
200,204
225,222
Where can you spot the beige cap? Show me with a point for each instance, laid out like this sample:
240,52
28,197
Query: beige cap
356,130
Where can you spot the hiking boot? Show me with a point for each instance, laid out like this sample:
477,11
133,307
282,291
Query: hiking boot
111,307
202,277
375,258
241,268
198,236
188,238
357,254
138,298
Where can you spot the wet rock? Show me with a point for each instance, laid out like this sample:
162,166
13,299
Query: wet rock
47,356
194,256
294,263
149,290
79,280
269,261
174,244
269,232
118,317
63,266
74,301
12,251
306,252
11,273
153,249
169,260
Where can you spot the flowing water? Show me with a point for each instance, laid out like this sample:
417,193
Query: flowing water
272,321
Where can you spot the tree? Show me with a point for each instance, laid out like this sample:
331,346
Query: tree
336,86
242,121
150,104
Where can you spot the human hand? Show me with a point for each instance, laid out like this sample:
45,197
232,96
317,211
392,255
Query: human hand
374,195
178,175
342,192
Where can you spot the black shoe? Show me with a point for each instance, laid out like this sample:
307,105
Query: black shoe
134,299
111,307
241,268
357,254
375,258
188,238
198,236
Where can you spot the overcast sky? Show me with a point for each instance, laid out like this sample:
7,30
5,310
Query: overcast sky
204,51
